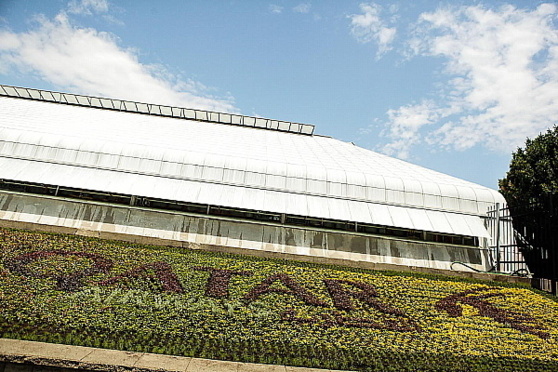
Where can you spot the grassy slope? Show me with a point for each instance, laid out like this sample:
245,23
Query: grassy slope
91,292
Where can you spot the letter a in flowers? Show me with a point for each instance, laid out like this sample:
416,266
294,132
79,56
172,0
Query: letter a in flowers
219,279
293,288
162,273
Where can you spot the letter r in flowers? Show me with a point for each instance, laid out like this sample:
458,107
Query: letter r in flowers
367,293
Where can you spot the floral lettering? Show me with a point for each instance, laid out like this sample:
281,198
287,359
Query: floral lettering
219,279
294,289
342,296
64,282
163,273
475,298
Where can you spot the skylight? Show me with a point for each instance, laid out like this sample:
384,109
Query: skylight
153,109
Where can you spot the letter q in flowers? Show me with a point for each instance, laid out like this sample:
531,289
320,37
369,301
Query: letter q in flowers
478,299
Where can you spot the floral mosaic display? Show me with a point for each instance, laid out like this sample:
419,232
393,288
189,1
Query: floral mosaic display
90,292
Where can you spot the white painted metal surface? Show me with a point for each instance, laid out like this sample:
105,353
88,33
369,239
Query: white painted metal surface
155,109
232,166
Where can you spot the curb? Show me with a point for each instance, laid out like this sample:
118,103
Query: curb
24,356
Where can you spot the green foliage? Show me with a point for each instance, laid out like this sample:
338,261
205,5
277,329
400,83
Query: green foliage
90,292
533,170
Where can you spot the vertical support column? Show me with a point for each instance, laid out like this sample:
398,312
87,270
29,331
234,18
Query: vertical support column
552,251
498,237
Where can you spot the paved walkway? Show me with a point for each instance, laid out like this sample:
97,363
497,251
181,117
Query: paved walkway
15,353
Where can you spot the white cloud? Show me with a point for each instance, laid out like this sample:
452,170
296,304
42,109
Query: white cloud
406,122
503,79
369,27
302,8
88,7
275,8
87,61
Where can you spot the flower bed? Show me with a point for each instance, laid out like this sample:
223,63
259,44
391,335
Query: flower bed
90,292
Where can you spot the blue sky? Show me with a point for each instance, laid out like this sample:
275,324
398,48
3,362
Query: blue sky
452,86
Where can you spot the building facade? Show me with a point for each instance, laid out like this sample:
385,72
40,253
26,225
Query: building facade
98,164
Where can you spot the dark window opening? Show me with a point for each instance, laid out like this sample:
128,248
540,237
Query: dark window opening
251,215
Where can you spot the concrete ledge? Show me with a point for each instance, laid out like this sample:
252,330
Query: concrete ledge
26,356
259,253
91,218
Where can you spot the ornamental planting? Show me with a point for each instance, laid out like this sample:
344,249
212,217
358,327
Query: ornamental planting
91,292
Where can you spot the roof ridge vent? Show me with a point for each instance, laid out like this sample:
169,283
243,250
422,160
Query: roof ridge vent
154,109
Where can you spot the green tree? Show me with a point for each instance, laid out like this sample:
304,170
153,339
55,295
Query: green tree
533,170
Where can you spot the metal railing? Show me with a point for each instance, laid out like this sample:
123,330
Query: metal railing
526,237
503,248
154,109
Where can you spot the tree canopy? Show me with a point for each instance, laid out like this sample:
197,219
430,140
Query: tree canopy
533,170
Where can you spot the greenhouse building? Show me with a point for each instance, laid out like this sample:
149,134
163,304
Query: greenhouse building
106,166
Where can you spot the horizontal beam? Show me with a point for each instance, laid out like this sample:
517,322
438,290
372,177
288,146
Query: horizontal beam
157,110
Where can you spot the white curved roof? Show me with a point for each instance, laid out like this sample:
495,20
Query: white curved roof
232,166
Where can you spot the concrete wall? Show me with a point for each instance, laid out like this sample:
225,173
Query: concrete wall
99,219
